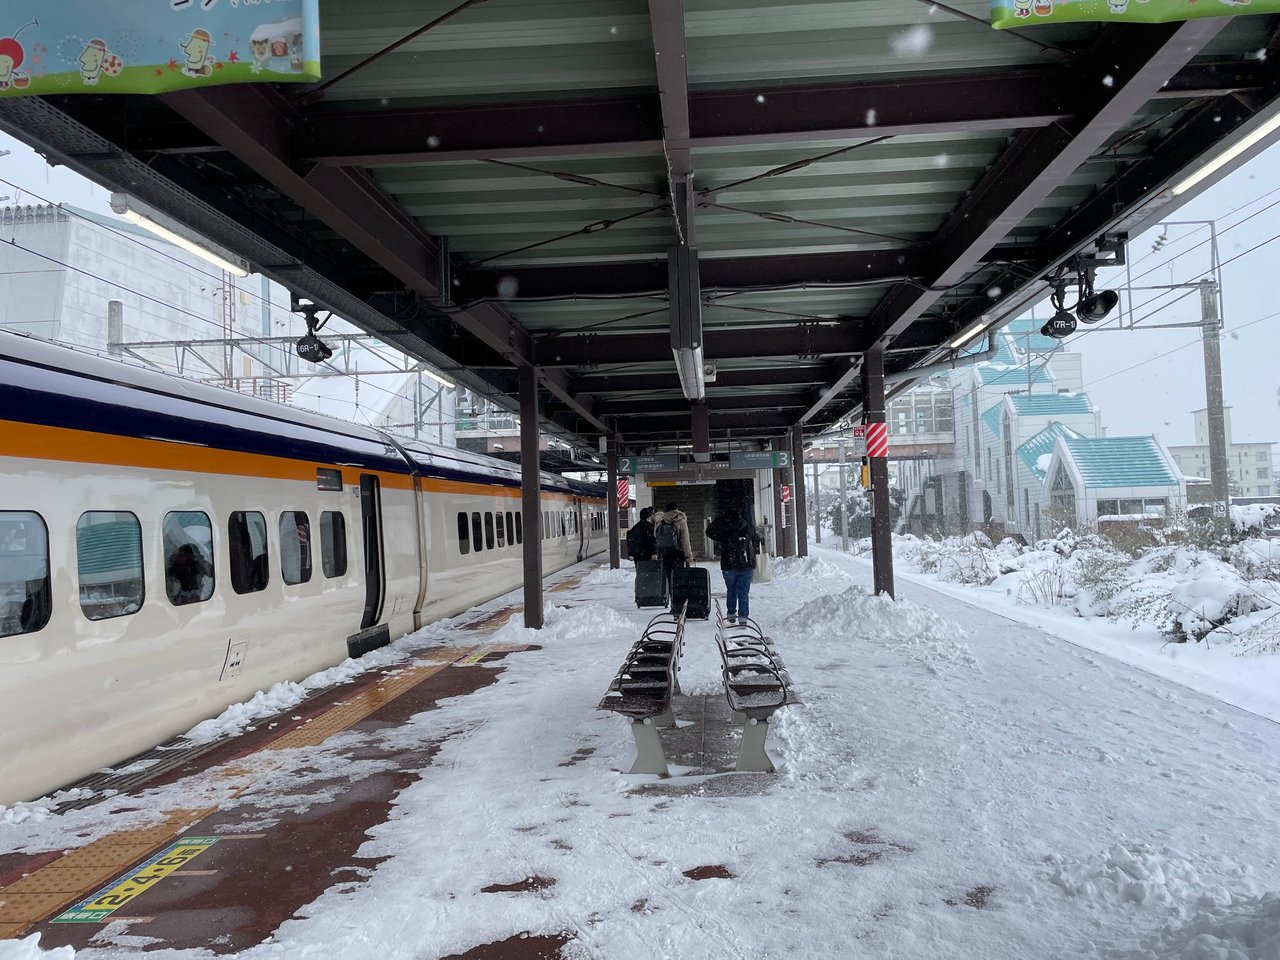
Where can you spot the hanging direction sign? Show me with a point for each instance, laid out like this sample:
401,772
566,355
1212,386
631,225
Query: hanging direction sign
759,459
157,46
657,463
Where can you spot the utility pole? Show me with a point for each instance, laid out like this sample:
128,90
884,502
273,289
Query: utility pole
1210,329
844,502
817,506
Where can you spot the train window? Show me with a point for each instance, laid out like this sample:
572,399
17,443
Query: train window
511,530
464,538
477,533
109,561
488,530
25,598
188,552
502,533
519,528
247,545
546,525
295,547
333,544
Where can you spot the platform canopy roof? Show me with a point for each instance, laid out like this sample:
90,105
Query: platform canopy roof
504,189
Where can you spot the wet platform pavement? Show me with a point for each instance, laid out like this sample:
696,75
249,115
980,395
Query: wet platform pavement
222,874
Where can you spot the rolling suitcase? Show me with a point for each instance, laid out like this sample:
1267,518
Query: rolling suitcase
651,585
694,585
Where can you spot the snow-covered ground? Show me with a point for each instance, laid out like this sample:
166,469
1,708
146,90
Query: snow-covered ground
956,784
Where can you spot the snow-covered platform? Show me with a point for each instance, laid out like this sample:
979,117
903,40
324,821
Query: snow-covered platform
956,784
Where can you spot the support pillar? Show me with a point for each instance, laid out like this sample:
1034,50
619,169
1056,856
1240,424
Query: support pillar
881,520
611,531
802,501
817,506
701,432
1215,416
784,477
531,497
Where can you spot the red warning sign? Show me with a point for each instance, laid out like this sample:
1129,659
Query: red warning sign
877,439
786,493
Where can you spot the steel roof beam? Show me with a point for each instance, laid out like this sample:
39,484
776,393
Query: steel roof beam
718,404
1129,66
778,375
725,343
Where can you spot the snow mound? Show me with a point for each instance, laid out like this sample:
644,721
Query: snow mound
1141,874
592,621
28,948
606,576
808,568
1244,930
858,615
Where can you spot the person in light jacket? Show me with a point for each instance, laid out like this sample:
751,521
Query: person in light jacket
672,532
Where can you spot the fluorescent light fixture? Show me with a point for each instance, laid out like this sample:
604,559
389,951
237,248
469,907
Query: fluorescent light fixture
689,367
439,379
968,333
137,213
1226,156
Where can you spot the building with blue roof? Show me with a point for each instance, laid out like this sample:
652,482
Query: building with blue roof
1099,478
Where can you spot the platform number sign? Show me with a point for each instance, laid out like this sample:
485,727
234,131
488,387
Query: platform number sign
626,465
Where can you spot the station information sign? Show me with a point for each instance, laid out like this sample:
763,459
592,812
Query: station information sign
658,463
759,459
860,440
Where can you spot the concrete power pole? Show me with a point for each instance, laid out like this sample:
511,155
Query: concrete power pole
1210,328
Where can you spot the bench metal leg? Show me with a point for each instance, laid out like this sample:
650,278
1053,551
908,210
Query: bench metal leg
649,755
751,755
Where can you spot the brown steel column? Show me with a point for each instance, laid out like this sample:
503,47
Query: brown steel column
881,520
785,477
701,432
611,531
798,495
531,497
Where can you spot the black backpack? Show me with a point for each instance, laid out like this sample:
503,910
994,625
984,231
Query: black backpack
640,541
668,538
737,552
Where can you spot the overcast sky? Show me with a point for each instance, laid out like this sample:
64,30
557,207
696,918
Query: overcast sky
1145,381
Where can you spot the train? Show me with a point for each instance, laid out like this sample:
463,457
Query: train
168,548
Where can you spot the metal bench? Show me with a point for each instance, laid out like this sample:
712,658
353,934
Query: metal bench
644,685
756,685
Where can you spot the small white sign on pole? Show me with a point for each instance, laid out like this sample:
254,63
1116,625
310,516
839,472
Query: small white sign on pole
860,440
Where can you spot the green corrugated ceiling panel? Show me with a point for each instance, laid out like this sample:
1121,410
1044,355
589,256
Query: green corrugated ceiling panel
491,49
1120,462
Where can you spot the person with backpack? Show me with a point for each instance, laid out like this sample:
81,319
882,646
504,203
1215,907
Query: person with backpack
739,545
672,535
642,542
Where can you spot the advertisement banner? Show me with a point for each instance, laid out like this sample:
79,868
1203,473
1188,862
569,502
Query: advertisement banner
1028,13
155,46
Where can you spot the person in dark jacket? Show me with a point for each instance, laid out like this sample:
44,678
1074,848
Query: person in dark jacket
739,545
642,541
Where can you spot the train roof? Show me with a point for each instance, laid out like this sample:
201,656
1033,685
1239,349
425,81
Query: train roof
64,360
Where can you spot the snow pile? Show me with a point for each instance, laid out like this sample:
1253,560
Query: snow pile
856,614
1140,874
1255,516
1243,930
42,809
28,948
808,568
603,576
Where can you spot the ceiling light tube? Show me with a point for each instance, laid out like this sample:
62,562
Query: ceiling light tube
439,379
689,367
1226,156
968,333
133,211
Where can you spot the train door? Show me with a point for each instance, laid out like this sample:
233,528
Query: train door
579,520
374,569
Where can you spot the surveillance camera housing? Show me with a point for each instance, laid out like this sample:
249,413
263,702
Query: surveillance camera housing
1060,327
1096,307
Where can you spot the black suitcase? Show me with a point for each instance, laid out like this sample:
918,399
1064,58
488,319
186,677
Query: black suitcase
694,585
651,585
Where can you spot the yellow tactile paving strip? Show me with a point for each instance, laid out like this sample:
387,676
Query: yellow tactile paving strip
73,876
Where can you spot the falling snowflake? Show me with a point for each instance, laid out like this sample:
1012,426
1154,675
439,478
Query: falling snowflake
871,118
1261,54
759,98
433,141
613,30
941,160
912,42
1108,81
994,293
508,287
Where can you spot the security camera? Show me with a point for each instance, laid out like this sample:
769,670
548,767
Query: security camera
312,349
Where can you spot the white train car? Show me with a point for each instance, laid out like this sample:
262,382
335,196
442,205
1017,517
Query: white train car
169,548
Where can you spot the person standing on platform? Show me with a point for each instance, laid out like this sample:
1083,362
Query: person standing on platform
739,546
642,541
673,540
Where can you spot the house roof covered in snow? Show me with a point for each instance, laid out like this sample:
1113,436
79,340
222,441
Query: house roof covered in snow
992,418
1004,353
1036,451
1049,404
995,374
1120,461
